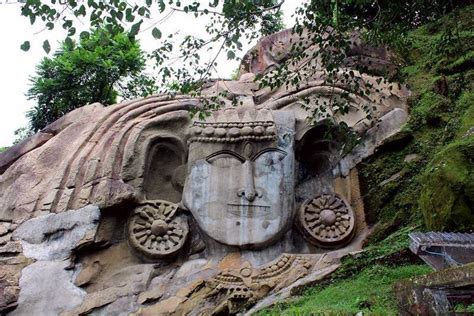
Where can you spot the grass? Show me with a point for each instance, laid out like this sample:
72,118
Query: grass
370,292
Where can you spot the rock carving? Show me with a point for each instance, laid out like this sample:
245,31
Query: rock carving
155,231
242,183
247,285
327,220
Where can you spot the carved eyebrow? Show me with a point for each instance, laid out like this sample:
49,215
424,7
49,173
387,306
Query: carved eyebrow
226,152
254,157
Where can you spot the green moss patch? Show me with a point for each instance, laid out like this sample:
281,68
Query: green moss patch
447,195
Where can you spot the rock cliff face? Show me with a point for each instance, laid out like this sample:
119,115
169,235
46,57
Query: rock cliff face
137,207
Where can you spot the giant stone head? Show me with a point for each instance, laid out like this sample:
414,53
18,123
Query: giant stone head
240,179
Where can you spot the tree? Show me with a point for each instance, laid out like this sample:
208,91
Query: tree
235,21
93,70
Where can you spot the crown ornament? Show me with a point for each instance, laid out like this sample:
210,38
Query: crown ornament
234,125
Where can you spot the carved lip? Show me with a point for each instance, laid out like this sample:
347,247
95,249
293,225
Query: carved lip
248,210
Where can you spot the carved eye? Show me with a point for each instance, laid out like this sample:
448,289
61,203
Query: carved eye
270,158
224,161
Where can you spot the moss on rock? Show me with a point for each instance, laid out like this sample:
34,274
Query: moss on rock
447,195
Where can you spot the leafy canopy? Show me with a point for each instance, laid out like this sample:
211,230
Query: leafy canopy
233,22
93,70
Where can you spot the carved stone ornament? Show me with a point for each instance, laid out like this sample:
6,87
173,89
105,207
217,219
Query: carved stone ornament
154,230
327,220
247,284
231,128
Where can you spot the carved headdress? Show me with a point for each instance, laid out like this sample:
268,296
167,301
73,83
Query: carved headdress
233,125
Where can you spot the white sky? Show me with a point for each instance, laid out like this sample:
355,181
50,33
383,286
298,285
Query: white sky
17,66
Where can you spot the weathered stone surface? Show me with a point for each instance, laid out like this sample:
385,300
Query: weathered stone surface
152,295
46,287
388,125
10,269
88,274
10,248
191,267
428,294
286,293
121,307
5,238
164,307
18,150
126,282
4,228
53,236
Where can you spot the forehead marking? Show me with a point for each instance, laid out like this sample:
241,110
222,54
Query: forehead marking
248,149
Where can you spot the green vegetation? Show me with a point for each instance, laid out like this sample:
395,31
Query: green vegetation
96,69
233,23
370,291
435,188
433,158
2,149
448,187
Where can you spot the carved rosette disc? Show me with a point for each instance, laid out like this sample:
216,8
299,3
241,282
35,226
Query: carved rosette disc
155,231
327,220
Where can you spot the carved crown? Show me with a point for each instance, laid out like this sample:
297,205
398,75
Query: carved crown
234,125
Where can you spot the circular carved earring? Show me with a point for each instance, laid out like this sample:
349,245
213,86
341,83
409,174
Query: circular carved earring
327,220
155,231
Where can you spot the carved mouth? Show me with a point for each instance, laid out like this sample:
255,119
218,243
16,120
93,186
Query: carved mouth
248,210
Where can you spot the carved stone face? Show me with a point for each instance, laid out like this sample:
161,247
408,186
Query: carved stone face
240,188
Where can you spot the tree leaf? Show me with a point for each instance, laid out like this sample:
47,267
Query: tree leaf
46,46
162,5
71,31
230,55
84,34
129,15
25,46
68,42
135,28
156,33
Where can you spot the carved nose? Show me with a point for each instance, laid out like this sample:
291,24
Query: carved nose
248,191
250,196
